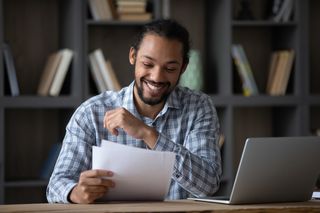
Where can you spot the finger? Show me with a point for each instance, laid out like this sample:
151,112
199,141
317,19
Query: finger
96,182
108,183
96,173
98,195
110,115
114,131
96,189
111,125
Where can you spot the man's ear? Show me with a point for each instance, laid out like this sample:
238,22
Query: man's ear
132,56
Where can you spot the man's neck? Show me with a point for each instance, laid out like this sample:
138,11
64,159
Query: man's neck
146,110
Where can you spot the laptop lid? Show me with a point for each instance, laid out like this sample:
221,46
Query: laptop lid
275,169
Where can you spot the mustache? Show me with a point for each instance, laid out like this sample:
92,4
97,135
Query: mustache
156,83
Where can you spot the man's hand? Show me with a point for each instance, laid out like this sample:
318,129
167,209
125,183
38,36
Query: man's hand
122,118
91,186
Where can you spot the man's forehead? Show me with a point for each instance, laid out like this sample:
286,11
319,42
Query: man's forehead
154,43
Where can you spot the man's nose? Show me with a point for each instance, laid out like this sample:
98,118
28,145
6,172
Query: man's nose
157,74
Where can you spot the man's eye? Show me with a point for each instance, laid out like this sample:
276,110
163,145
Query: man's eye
171,69
147,65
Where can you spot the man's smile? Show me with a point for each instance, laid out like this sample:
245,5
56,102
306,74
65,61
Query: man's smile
154,88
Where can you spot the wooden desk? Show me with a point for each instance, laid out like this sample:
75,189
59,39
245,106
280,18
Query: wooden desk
167,206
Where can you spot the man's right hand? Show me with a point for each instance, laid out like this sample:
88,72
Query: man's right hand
91,186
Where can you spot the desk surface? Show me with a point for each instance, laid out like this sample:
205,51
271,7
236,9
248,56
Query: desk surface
166,206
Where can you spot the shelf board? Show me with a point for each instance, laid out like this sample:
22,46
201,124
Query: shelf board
261,100
263,23
115,23
40,102
26,183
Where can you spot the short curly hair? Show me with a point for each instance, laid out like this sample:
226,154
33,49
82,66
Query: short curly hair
167,28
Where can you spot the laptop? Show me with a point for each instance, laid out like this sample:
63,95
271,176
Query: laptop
274,169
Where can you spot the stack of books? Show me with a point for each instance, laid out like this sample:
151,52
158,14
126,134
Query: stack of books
133,10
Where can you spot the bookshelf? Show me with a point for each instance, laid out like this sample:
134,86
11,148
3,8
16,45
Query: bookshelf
48,26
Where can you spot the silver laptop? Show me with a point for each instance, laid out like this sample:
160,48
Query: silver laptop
275,169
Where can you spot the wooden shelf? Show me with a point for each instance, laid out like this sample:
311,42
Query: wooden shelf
263,23
40,102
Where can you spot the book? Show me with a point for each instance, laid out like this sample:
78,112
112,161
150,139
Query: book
279,72
290,54
61,71
108,9
284,10
272,68
249,86
193,75
95,9
131,3
131,9
96,74
49,163
135,16
115,83
288,12
106,70
48,74
248,69
11,70
102,9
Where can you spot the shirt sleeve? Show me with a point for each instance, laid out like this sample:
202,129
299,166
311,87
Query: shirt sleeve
198,163
74,157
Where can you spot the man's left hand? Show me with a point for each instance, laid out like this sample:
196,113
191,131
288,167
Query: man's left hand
122,118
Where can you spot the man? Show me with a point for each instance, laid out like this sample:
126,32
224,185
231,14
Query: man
152,113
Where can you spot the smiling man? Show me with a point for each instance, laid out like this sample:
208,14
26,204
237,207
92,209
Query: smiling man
151,113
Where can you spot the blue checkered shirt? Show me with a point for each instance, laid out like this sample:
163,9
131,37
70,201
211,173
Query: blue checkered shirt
187,125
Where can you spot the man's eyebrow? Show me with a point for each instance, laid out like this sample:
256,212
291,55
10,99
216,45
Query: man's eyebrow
169,62
148,57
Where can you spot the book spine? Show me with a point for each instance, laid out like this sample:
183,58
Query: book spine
61,72
249,73
115,83
247,91
102,67
11,70
96,74
48,74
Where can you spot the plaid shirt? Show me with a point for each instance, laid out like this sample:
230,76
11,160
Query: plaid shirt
187,125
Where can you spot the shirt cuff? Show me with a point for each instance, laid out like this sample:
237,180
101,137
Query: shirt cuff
67,191
165,144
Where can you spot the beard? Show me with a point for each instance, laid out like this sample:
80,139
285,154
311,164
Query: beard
153,100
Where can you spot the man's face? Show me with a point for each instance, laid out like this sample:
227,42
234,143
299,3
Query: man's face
158,66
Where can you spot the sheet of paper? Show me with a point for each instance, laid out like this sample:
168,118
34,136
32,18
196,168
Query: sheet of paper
139,174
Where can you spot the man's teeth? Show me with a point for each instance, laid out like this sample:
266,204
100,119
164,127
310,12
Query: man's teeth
154,87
